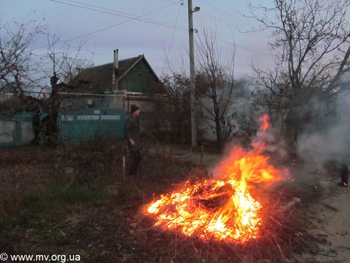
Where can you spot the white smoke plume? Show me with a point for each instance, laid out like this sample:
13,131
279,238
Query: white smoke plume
332,140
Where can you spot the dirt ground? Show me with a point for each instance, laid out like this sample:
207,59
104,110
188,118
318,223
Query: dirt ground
332,220
330,214
66,213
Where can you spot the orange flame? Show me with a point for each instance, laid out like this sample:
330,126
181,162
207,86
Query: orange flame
265,122
220,208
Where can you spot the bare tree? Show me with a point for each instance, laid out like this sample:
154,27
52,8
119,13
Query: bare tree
311,40
65,66
215,84
20,70
16,71
171,119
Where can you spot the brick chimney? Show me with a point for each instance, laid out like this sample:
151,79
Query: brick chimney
115,69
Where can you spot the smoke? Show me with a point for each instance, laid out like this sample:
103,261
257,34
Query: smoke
262,154
330,140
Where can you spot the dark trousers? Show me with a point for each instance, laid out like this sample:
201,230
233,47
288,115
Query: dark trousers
36,131
134,162
344,173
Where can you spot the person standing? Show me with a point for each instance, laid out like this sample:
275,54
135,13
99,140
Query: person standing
36,127
132,134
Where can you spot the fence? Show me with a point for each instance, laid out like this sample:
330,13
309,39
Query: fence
87,125
16,130
91,125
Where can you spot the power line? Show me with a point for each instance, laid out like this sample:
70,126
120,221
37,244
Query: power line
227,14
141,18
133,17
218,9
172,37
111,12
225,22
225,5
121,14
224,12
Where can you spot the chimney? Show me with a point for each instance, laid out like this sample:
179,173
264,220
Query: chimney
115,69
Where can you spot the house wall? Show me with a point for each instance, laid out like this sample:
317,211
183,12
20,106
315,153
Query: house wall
82,102
139,79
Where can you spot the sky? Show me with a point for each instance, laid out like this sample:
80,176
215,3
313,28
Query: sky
156,28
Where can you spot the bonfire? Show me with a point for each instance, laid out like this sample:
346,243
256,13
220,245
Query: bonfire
221,207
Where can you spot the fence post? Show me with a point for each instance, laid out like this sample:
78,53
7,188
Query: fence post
202,153
123,167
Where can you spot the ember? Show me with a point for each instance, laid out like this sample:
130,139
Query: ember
221,208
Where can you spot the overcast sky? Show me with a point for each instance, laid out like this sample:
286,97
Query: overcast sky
155,28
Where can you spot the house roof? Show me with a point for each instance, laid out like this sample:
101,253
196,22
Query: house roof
100,78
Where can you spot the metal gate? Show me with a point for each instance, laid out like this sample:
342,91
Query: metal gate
91,125
16,130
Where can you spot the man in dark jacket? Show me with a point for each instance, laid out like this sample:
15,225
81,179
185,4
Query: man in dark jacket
133,137
36,127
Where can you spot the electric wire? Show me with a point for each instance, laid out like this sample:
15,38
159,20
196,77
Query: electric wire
141,18
227,23
225,13
120,14
172,37
132,17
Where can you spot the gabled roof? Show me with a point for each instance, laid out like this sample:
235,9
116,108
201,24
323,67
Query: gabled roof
100,78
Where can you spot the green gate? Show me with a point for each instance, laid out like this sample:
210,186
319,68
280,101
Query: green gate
16,129
91,125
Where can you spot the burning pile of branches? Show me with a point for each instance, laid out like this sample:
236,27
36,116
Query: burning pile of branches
280,236
233,211
221,208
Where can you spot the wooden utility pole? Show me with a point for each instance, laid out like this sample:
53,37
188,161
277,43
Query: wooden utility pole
115,68
192,73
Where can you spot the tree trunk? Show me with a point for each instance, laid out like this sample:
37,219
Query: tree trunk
292,129
53,108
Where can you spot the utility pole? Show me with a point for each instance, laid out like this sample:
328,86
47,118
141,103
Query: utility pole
192,72
115,68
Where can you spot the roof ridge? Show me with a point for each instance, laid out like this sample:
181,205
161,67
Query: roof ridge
109,63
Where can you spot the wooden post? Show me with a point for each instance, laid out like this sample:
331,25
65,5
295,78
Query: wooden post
166,152
123,167
202,153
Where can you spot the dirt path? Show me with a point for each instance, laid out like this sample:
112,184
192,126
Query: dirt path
332,221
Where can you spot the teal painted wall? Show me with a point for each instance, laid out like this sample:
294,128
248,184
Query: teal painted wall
92,125
87,125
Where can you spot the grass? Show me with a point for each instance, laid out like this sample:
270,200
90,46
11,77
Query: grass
74,200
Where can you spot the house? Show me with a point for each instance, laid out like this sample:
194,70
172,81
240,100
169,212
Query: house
96,107
112,85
